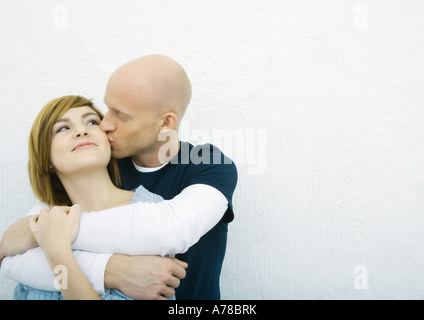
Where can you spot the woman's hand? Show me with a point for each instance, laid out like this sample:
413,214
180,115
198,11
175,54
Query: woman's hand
56,229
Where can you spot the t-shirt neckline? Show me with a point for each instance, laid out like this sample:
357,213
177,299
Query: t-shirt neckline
147,170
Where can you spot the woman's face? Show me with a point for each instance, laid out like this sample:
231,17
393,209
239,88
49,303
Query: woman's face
78,144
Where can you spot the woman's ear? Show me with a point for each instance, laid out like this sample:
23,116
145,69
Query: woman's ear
169,121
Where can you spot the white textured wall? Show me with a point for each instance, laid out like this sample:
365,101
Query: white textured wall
329,93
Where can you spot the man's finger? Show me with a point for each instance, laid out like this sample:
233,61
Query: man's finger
180,263
174,282
168,292
178,271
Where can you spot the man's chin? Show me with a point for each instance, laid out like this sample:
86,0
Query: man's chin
118,155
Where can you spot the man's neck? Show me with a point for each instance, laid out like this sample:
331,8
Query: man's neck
162,154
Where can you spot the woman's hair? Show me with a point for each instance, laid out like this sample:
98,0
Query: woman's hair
44,181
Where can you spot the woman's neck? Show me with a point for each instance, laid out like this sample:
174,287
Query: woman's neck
95,191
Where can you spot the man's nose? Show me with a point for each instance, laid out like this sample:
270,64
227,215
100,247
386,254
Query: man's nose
106,124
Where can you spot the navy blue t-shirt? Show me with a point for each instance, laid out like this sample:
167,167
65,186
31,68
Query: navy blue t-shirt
202,164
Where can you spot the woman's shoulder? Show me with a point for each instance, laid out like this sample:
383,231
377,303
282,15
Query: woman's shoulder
141,194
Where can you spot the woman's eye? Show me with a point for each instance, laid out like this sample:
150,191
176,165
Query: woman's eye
62,129
94,122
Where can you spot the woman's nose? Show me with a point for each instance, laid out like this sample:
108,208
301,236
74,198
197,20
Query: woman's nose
81,131
81,134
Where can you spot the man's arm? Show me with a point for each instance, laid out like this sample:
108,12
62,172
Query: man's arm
17,239
145,277
167,227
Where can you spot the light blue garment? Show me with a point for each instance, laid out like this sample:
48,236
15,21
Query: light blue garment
24,292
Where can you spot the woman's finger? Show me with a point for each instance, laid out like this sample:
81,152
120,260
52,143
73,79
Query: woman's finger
33,222
60,209
44,211
75,210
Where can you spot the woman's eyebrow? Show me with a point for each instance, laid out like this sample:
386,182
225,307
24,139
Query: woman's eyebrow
91,113
62,120
85,115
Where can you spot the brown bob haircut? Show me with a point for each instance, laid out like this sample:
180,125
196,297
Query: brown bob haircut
44,181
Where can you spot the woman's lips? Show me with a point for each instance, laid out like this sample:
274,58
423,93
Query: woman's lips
84,145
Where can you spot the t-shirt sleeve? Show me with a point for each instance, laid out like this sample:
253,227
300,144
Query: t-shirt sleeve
216,170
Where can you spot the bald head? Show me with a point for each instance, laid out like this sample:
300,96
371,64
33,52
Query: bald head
156,81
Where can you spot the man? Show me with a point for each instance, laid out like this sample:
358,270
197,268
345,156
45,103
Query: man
146,100
147,96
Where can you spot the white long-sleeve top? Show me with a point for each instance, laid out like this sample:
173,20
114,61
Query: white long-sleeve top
168,227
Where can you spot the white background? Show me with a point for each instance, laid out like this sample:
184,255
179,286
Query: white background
323,102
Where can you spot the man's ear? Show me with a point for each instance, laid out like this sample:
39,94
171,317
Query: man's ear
170,120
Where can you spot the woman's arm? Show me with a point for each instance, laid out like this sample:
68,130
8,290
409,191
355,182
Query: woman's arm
32,269
55,230
75,285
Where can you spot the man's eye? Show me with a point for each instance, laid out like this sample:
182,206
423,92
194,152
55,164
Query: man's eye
122,116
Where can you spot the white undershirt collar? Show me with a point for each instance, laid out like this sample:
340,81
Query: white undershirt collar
147,170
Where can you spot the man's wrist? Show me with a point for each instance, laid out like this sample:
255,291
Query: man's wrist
112,273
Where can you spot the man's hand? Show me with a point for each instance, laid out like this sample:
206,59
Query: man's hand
145,277
17,239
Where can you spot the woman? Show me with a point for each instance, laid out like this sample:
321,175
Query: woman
70,163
